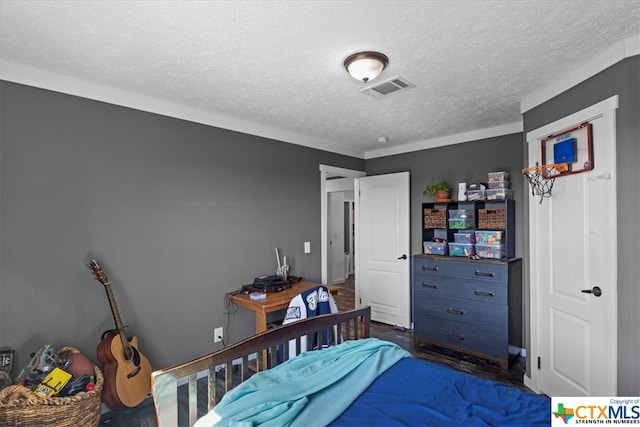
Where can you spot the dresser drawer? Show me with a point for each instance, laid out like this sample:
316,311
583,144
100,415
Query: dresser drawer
492,272
463,310
464,337
428,285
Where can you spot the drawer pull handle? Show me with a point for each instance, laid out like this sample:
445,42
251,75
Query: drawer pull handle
429,268
484,273
455,337
484,293
429,285
454,311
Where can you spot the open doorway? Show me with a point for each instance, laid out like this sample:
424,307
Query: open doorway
337,196
340,231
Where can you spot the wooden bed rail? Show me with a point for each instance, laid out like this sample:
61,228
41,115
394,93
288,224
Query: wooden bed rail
175,390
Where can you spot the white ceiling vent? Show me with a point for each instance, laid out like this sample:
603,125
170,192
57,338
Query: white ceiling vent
388,87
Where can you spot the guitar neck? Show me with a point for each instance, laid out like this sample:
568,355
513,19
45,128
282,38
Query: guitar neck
116,318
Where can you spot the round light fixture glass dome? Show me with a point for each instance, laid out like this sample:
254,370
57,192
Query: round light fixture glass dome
366,66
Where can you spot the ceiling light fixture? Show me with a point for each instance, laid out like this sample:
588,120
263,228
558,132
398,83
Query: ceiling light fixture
366,66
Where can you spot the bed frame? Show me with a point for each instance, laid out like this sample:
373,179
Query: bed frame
175,390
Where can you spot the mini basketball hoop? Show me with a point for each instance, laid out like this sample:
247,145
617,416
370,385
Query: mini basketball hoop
542,177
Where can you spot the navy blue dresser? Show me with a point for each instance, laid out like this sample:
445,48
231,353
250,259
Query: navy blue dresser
467,305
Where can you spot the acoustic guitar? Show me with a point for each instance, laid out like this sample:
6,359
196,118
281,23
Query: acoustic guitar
127,372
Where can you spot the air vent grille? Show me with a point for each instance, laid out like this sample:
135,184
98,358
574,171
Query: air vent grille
388,87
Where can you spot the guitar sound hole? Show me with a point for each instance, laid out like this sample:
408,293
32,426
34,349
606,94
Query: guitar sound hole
133,356
136,356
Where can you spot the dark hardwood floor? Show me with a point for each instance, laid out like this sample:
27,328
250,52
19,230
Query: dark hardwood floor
345,300
144,415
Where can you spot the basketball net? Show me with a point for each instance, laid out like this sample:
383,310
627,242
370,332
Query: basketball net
542,177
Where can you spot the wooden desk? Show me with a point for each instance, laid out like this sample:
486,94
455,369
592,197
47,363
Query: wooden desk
275,301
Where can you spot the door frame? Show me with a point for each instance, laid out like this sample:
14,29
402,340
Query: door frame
327,172
607,110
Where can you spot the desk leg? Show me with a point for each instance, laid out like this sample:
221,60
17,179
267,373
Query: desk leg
261,326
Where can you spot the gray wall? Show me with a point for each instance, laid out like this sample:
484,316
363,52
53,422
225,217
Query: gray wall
622,79
177,213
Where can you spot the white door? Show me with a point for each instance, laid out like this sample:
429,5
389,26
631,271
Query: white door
573,249
382,247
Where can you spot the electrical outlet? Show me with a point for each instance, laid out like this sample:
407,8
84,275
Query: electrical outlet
218,334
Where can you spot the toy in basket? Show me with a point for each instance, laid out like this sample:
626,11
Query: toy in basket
21,407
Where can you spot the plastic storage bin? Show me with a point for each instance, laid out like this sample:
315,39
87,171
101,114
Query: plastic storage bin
461,249
491,251
498,184
499,194
498,176
489,237
458,224
473,195
435,248
462,214
464,237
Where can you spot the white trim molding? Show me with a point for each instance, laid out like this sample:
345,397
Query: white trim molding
448,140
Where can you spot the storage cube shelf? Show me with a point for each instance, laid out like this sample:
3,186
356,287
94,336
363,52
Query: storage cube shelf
455,222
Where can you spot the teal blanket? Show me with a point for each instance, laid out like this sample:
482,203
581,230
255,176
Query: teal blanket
313,388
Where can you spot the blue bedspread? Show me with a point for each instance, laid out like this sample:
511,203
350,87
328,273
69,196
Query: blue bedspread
373,383
311,389
420,393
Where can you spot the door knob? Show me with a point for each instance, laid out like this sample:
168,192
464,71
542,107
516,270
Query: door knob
596,291
403,256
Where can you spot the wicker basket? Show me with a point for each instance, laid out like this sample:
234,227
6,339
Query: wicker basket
435,218
492,219
19,407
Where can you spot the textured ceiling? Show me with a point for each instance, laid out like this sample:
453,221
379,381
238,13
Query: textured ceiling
275,67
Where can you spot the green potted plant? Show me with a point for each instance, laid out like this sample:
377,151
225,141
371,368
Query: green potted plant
442,191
